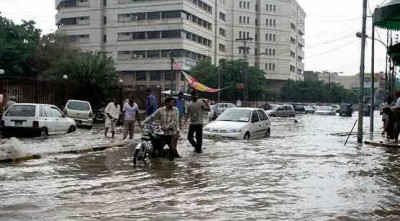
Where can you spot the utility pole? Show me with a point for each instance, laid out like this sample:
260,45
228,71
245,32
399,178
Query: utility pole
362,69
172,73
371,116
219,84
245,49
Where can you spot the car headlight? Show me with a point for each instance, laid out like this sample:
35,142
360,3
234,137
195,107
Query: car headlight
234,130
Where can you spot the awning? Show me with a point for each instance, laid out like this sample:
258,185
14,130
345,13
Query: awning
388,16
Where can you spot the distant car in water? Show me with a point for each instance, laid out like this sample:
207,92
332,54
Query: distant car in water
299,108
217,109
325,110
284,110
309,109
27,119
345,110
239,123
81,112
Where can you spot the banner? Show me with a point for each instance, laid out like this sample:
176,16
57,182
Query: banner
197,85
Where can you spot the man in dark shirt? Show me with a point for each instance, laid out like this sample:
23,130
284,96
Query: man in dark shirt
151,103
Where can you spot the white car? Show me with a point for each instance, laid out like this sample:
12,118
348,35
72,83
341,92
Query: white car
26,119
239,123
80,111
325,110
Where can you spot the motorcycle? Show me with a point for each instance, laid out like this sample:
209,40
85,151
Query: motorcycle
152,144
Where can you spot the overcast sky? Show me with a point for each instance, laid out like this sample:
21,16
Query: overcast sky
330,38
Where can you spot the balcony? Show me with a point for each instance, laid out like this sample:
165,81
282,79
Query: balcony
60,4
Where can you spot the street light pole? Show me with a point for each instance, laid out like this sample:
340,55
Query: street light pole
362,69
172,73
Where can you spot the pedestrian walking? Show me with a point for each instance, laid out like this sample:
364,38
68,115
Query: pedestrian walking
151,103
180,103
112,113
131,113
169,117
195,111
238,103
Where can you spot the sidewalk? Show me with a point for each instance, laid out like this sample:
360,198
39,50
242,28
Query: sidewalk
376,139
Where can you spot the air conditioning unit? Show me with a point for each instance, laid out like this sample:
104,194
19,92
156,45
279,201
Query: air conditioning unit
134,18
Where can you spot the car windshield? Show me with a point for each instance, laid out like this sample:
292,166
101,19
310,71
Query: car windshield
78,105
22,111
275,107
236,115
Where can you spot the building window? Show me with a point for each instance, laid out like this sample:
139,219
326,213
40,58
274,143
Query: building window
240,19
153,34
222,47
222,32
105,20
140,76
240,34
222,16
104,38
248,5
153,15
248,20
155,76
240,4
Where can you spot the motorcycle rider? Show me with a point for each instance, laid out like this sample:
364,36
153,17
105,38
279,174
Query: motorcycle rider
169,120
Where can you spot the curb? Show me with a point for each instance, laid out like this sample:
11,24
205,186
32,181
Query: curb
80,151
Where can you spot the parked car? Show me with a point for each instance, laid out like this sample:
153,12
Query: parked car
81,112
26,119
221,107
99,115
345,110
335,107
309,109
299,108
325,110
239,123
285,110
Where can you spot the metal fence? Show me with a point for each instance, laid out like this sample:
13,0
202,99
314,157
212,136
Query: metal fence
33,91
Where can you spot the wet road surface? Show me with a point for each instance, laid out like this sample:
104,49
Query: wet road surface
302,172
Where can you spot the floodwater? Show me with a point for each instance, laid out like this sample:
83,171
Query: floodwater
302,172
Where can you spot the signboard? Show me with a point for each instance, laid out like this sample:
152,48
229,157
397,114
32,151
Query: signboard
240,86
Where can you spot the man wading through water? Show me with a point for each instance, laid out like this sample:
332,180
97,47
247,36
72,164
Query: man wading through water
169,120
195,110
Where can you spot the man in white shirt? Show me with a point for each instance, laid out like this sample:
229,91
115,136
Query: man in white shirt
131,113
112,113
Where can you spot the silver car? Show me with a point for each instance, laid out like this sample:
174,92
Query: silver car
284,110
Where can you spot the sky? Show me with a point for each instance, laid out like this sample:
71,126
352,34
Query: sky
331,25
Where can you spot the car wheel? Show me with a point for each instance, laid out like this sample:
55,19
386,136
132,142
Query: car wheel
272,115
71,129
89,127
43,133
247,136
268,133
293,115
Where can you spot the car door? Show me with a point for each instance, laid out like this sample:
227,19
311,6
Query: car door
255,124
263,121
58,116
51,123
62,121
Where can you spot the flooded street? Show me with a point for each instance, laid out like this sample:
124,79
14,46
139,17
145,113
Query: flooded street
302,172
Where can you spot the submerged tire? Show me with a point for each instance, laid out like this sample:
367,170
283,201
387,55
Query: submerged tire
71,129
268,133
247,136
43,133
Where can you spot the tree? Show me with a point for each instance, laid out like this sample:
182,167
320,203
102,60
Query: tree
92,76
17,43
305,91
231,73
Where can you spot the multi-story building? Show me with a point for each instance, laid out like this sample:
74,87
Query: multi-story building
143,36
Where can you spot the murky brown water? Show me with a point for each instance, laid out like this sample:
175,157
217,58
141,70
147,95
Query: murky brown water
301,173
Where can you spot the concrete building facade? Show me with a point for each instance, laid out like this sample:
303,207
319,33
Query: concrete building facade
142,36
